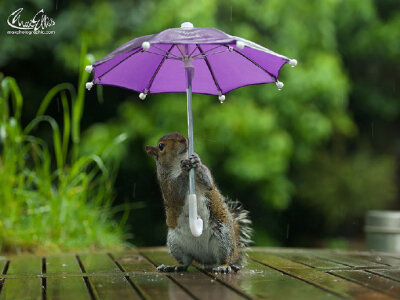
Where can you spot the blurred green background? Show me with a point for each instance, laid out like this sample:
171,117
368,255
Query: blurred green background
307,161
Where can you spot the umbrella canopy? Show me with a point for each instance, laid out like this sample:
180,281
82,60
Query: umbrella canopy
222,63
155,64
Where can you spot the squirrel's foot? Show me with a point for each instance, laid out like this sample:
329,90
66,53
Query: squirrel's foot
222,269
177,268
192,162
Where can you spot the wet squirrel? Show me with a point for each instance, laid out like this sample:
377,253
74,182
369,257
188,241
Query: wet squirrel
226,230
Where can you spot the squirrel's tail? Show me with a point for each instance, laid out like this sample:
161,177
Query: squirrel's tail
242,226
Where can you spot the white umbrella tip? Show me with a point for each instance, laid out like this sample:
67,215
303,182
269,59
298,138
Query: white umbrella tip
145,45
89,85
187,25
221,98
89,68
293,62
142,96
240,44
279,84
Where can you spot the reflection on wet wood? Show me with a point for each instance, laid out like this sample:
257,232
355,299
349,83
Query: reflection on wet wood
271,273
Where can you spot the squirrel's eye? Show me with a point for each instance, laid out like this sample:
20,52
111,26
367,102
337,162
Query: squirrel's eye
161,146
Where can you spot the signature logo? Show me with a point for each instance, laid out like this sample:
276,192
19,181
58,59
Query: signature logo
37,24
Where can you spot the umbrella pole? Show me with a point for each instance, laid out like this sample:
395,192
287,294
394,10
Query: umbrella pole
195,223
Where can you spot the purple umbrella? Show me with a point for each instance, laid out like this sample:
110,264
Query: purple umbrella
154,64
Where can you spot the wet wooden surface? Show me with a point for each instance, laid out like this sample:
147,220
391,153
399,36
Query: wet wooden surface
271,273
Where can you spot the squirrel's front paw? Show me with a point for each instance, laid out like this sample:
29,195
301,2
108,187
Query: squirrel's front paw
195,160
186,165
192,162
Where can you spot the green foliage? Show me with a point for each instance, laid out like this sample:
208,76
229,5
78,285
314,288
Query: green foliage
50,200
343,188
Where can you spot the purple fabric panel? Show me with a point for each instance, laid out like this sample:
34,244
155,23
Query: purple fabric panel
172,78
134,73
268,61
233,71
100,69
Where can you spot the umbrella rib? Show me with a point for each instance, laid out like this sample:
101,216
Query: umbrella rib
197,55
252,61
209,68
164,52
158,69
116,65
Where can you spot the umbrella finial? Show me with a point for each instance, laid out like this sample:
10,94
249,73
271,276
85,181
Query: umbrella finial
145,45
279,84
240,44
221,98
142,96
187,25
293,62
89,85
89,68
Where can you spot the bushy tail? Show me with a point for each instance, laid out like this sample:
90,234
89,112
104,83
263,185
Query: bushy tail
242,225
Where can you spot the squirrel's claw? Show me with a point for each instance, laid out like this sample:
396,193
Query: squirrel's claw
235,268
165,268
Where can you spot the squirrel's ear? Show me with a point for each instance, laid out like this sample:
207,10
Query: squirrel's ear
152,151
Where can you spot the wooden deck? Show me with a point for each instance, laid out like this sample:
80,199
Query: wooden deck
271,274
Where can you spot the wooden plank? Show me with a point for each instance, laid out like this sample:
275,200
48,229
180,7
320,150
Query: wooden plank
112,284
63,287
62,264
21,289
381,259
98,263
349,260
151,283
31,265
197,283
316,277
309,259
66,288
377,282
262,282
392,274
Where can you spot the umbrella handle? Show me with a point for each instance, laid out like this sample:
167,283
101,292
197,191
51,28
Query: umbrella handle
195,223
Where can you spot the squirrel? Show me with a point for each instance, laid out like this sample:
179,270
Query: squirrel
226,232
